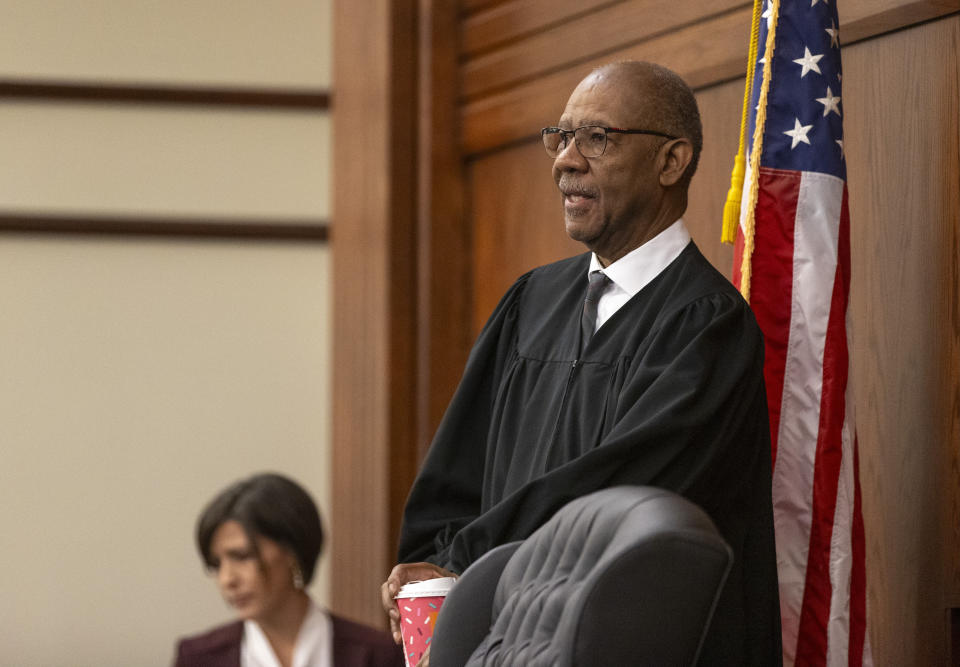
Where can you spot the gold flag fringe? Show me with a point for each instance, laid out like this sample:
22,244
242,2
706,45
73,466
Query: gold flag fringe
749,222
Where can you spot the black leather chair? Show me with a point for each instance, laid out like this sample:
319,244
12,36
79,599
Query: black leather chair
623,576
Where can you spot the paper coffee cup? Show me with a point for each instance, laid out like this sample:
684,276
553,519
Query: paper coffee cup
419,603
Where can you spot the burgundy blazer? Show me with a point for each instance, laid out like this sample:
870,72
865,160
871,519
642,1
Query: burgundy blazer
354,645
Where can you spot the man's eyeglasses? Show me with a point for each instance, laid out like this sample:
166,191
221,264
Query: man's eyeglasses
591,140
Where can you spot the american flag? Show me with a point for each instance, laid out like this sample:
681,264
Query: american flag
794,233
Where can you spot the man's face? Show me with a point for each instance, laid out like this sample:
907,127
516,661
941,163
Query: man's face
608,201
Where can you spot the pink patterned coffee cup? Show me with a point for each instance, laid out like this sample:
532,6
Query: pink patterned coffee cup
419,603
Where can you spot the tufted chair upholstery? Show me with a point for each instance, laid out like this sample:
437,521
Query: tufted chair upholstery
623,576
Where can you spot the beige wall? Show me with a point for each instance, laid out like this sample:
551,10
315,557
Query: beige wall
139,375
125,160
220,42
136,379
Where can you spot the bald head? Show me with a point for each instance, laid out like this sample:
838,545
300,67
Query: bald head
655,98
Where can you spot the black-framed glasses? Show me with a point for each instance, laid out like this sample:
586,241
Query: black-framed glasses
591,140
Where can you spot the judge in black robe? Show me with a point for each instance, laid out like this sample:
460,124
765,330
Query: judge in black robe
668,392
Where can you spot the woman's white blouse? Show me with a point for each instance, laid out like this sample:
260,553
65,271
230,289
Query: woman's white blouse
314,647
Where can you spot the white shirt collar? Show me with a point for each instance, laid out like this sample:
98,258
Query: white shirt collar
632,272
314,647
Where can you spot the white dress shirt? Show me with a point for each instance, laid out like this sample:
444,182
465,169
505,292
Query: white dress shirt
632,272
314,647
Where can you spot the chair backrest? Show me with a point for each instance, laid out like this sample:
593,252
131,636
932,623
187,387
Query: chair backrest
623,576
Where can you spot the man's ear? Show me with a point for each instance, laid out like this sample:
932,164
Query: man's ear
679,153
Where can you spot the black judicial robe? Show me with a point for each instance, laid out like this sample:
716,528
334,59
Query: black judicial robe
669,392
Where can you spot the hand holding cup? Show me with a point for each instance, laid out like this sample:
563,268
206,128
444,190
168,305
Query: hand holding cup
401,575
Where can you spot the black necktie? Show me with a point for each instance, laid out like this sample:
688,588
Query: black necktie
588,320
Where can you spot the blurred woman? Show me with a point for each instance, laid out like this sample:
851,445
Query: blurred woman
261,538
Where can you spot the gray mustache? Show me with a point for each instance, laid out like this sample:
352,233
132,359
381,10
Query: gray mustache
573,188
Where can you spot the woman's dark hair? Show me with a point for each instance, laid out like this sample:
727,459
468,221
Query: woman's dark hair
266,505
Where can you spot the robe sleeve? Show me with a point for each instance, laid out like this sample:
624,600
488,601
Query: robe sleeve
453,467
691,418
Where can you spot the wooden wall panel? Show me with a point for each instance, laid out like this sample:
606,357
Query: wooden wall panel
613,27
719,112
444,335
703,47
703,53
903,161
517,221
374,309
472,6
510,21
491,25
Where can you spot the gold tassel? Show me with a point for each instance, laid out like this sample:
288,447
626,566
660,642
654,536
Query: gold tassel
731,208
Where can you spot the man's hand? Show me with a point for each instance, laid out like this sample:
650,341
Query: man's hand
403,574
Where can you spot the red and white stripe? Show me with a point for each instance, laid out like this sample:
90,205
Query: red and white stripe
800,281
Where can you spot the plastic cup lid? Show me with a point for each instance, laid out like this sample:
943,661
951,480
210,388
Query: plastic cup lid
427,588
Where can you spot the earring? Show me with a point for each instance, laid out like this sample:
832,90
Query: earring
297,578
